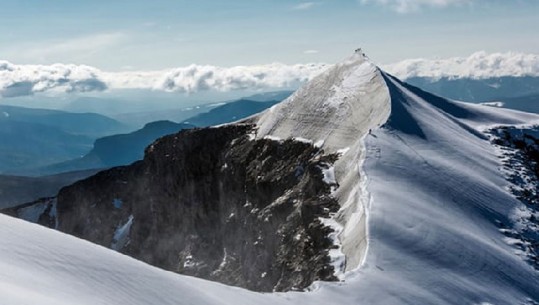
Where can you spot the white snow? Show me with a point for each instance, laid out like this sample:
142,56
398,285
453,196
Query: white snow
189,262
319,143
39,266
329,175
273,138
436,195
336,256
121,235
493,104
303,140
343,151
33,212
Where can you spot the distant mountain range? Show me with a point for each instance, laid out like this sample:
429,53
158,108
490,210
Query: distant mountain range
123,149
478,90
88,124
230,112
32,138
518,93
140,119
27,145
109,151
15,190
479,77
187,113
529,103
120,149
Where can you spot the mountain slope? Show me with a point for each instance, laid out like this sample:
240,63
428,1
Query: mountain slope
424,204
25,144
438,196
40,266
229,112
478,90
528,103
16,190
116,150
31,138
88,124
183,114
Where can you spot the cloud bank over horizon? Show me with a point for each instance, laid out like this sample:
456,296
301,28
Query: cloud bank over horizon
20,80
24,80
479,65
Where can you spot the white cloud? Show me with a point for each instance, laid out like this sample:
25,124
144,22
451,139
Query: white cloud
18,80
304,6
407,6
310,52
195,78
479,65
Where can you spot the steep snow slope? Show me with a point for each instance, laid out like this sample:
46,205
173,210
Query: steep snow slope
428,178
438,195
42,266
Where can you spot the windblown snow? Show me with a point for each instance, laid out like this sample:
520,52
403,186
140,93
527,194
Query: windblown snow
421,193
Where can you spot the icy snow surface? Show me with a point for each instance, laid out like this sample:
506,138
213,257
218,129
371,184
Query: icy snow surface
425,190
437,192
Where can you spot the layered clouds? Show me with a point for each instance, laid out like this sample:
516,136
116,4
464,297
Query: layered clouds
19,80
479,65
196,78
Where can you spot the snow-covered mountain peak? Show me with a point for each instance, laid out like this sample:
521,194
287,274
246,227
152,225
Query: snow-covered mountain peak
335,108
335,111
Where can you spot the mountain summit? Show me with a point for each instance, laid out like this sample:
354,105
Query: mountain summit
400,195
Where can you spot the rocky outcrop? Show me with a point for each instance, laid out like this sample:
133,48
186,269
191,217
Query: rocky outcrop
213,203
519,151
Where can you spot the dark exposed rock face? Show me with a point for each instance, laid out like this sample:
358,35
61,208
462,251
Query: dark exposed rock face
215,204
520,154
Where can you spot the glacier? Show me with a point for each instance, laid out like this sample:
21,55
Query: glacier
421,191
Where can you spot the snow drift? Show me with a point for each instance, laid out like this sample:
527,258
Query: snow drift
421,192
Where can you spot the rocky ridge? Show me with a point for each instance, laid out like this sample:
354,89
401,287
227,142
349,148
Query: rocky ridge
213,203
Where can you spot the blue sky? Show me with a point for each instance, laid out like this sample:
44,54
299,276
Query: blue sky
123,35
